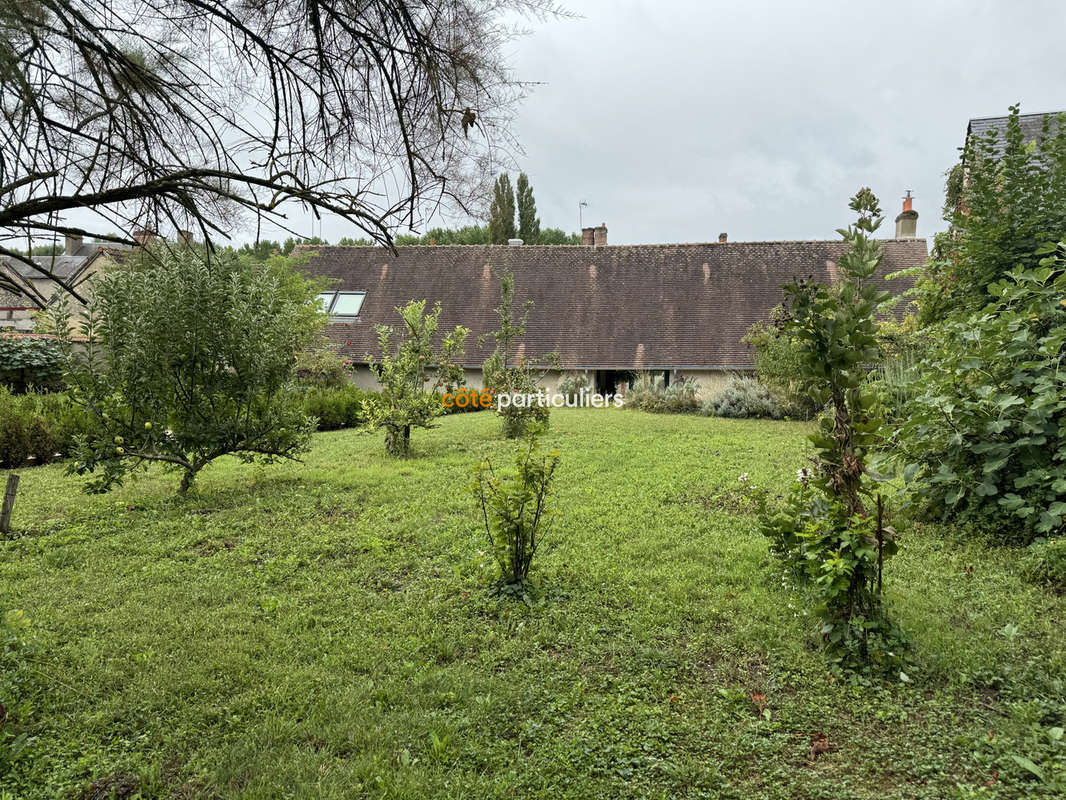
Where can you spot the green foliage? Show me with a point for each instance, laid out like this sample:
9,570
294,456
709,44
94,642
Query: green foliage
470,234
31,362
985,437
779,364
1045,563
743,397
409,396
571,384
515,508
507,372
528,223
334,407
650,393
320,365
824,532
1013,199
38,426
557,236
502,211
190,358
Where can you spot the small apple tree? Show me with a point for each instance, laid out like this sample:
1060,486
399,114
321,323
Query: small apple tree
410,395
188,358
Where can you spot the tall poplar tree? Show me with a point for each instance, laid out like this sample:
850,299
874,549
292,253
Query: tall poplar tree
501,212
528,224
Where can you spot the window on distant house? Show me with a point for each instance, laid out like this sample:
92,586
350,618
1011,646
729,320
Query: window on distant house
342,305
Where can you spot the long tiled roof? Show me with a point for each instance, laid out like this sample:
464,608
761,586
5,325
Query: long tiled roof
609,307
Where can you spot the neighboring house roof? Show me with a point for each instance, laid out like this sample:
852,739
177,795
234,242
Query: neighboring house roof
1032,126
65,266
607,307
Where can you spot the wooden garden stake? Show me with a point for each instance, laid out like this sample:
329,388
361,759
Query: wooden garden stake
9,503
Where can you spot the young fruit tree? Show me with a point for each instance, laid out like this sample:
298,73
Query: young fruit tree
516,509
413,376
826,531
187,359
513,376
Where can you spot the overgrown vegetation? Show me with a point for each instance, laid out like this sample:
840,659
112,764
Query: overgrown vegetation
983,439
38,426
825,532
649,392
188,359
743,397
413,375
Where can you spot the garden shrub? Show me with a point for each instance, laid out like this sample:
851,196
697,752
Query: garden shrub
984,438
345,406
743,397
14,432
1045,563
190,357
778,364
409,398
572,384
31,362
320,365
516,508
650,393
824,532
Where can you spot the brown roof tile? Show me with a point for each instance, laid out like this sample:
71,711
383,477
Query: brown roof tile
611,307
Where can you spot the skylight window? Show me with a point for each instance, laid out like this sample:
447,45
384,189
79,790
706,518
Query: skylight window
344,305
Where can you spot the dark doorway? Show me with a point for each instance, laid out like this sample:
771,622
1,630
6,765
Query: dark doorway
610,381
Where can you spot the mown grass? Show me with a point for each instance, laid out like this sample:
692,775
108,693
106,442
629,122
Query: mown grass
326,630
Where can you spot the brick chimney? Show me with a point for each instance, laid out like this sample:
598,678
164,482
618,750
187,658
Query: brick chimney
143,237
72,244
599,235
723,238
588,237
907,221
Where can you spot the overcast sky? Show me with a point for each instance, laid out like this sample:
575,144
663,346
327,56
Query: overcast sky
680,120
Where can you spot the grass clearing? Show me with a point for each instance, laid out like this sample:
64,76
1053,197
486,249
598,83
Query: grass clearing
325,630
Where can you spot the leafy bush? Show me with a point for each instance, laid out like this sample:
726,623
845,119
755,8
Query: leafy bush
515,508
38,426
743,397
650,393
320,365
407,398
345,406
31,362
984,439
571,385
778,364
824,533
190,358
14,433
1045,563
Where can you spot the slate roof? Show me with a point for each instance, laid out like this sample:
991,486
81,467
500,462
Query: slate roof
64,266
607,307
1032,125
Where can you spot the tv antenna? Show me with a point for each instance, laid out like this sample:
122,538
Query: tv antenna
581,204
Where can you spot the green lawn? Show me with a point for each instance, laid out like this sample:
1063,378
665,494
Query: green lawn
326,630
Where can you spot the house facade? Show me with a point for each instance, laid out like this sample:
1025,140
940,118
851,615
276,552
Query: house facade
77,263
608,311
